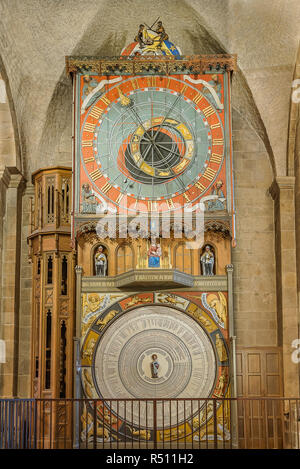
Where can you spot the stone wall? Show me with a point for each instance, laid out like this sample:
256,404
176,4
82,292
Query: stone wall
254,256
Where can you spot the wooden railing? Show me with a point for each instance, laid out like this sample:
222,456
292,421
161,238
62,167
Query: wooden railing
264,423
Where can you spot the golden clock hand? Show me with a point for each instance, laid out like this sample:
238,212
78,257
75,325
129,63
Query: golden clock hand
163,158
167,115
129,103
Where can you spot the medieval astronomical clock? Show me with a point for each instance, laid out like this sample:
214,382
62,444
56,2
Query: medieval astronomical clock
152,142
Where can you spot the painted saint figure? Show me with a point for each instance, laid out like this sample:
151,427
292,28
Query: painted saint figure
221,348
217,204
207,261
154,366
154,255
100,262
88,200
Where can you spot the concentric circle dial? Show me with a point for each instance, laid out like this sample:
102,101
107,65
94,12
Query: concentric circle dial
152,143
154,352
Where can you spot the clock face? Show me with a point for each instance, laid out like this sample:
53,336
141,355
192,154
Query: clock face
151,144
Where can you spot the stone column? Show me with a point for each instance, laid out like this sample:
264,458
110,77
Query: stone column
232,338
10,285
77,360
283,193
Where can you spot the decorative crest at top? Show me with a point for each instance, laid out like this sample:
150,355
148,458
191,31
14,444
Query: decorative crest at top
151,41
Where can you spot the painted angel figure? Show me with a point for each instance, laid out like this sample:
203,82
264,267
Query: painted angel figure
100,262
207,261
219,304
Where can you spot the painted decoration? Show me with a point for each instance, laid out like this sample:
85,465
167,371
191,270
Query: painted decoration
148,345
151,143
151,41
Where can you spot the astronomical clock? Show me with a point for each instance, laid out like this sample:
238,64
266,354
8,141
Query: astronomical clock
152,142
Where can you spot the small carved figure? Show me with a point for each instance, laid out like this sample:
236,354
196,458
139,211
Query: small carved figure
140,36
154,366
100,262
154,255
207,261
160,30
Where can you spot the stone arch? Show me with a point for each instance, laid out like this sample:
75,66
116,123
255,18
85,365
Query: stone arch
108,40
17,162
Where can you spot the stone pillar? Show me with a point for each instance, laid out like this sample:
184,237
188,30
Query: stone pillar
283,193
232,338
25,312
10,284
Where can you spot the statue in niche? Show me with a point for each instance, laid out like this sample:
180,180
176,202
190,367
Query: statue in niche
154,255
88,200
217,204
100,262
207,261
154,366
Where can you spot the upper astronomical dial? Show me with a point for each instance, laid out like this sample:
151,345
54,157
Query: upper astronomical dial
155,140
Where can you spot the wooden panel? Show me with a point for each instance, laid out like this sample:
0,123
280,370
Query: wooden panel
255,385
259,371
259,374
254,363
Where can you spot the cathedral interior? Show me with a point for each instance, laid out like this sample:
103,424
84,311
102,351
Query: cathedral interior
117,119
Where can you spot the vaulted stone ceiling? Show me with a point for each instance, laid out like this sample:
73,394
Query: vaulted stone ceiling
36,35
